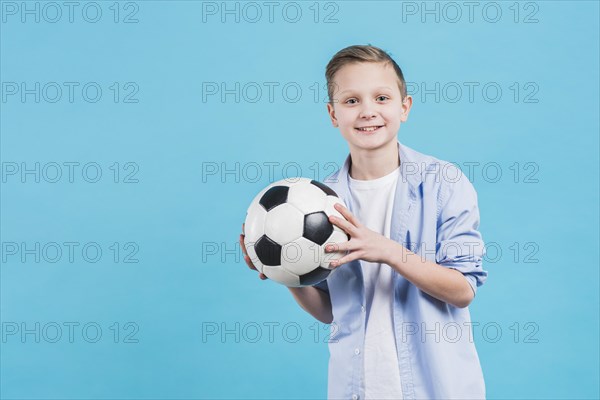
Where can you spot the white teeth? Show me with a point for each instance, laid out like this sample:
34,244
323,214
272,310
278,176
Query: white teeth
369,129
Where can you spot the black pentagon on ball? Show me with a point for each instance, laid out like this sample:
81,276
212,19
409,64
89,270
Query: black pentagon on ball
273,197
328,191
267,251
315,276
317,227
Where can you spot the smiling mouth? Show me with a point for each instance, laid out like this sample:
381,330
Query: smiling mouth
369,129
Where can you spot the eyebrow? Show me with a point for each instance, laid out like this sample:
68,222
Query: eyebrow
377,88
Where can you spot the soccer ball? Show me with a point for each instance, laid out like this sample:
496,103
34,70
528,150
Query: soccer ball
287,228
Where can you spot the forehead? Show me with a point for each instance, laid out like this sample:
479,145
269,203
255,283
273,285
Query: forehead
365,76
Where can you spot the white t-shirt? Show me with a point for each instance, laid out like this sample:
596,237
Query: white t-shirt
373,201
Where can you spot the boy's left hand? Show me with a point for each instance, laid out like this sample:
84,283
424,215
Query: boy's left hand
364,244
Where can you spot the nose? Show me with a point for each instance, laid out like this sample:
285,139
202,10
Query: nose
367,114
367,111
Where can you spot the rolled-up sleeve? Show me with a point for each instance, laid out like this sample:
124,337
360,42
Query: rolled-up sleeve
459,243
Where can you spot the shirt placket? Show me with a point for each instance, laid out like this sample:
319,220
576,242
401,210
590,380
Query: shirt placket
403,206
357,387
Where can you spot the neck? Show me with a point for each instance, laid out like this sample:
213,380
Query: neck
372,164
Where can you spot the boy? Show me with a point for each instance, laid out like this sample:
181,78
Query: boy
413,261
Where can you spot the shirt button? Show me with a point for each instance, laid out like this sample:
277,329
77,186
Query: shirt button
354,397
357,351
362,308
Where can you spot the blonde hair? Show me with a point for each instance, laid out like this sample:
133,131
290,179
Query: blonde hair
357,54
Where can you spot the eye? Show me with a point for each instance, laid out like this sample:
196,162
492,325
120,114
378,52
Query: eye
385,97
349,100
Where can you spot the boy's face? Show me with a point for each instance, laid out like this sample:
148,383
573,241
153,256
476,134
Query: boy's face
367,95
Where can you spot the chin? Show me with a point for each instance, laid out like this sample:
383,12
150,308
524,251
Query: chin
371,142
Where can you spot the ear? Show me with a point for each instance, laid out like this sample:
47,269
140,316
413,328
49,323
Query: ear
331,113
406,106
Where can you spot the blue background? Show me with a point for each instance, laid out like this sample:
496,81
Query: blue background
182,223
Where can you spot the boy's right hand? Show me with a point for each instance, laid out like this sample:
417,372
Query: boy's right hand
246,257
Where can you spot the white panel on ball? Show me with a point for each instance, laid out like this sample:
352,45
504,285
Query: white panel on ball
284,224
301,256
282,276
253,256
338,236
254,226
329,203
307,198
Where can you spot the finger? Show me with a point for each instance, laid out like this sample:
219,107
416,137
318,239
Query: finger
339,247
262,276
346,259
347,214
346,226
243,245
332,248
249,263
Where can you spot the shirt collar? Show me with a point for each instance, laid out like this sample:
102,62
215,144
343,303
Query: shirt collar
411,167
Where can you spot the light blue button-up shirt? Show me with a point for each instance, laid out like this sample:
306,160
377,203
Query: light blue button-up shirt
435,215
